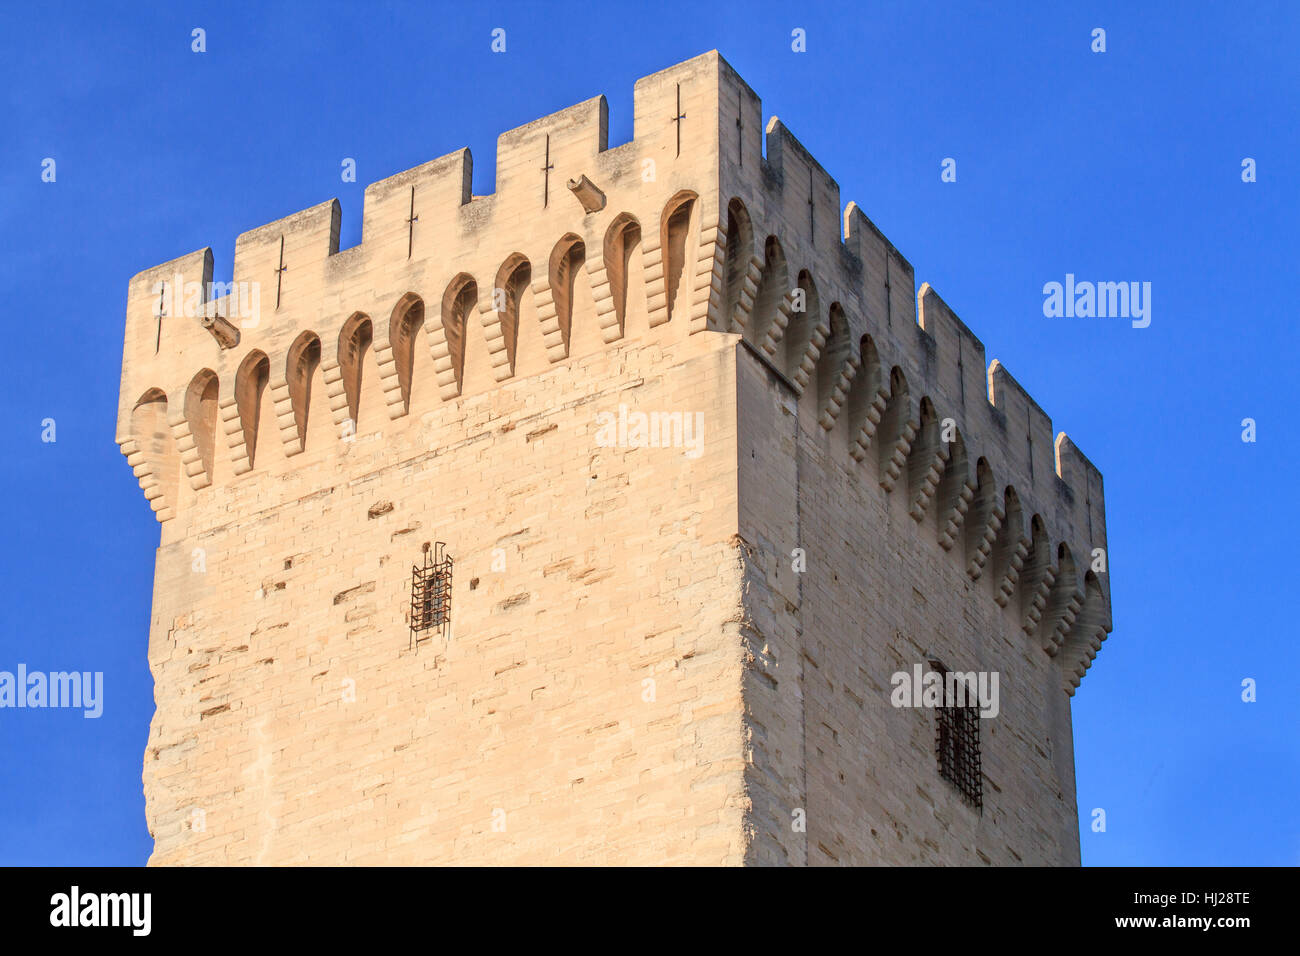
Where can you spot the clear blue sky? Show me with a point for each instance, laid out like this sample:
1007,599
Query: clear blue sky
1117,166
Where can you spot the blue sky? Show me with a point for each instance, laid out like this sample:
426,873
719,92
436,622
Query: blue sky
1123,165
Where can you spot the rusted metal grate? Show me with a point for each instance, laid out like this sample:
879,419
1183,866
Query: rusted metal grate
431,593
957,742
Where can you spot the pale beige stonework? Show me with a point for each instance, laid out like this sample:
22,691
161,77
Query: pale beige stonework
634,673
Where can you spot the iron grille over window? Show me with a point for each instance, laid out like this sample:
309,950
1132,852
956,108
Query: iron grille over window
431,593
957,741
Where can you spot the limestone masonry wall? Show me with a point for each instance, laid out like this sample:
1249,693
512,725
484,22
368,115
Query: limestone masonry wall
633,673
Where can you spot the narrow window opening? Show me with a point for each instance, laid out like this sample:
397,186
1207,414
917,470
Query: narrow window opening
431,595
957,740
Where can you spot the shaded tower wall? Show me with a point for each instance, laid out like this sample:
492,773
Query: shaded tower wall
902,501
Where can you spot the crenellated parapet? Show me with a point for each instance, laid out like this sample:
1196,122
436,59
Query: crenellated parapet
690,229
906,386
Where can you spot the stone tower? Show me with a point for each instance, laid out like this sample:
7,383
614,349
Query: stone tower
710,473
